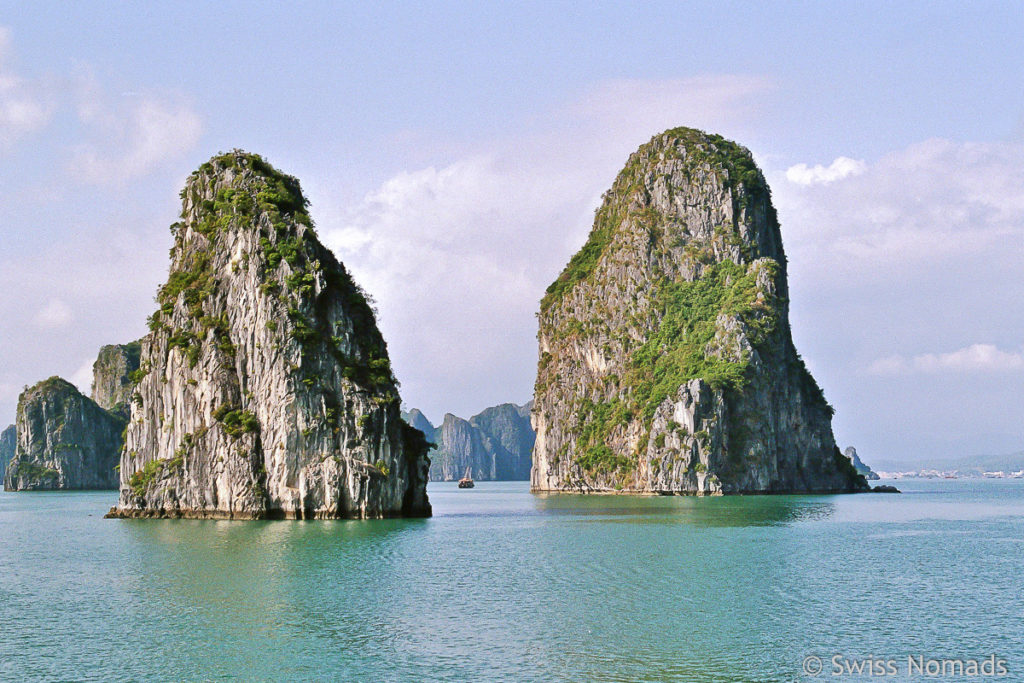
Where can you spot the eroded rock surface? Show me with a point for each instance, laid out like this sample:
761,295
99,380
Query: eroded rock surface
265,388
64,441
8,443
112,377
666,360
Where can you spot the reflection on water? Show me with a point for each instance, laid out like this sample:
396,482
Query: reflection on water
503,585
716,511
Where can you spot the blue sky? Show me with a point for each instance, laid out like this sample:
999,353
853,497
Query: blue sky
454,155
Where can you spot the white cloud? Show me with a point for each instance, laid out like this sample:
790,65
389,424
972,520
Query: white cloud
925,244
120,137
458,258
53,315
82,377
974,358
842,167
24,106
134,140
933,201
459,255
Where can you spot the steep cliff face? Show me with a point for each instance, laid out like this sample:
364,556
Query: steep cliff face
858,464
460,446
666,360
495,445
8,443
111,377
509,437
64,441
419,421
264,388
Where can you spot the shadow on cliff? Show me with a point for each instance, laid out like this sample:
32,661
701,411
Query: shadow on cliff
716,511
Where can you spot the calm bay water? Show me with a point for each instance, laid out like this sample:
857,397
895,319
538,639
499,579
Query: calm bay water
503,585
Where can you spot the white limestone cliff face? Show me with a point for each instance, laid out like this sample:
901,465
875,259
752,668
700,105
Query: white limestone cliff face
666,360
111,377
266,388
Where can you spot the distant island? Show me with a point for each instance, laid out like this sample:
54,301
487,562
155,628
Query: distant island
62,441
495,444
1009,466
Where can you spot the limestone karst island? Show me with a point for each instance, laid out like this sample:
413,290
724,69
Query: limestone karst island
264,388
666,360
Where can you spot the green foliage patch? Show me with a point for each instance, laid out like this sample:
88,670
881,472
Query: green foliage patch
595,423
685,316
34,471
676,350
235,421
142,479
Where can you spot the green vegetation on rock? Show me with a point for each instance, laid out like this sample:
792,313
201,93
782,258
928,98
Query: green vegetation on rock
141,480
34,471
741,176
686,319
677,349
235,421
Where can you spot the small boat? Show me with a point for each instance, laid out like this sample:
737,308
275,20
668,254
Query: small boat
467,481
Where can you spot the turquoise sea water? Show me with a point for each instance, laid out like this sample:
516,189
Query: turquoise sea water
503,585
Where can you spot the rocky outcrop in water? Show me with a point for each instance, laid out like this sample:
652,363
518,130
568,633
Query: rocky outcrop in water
509,437
460,446
64,441
494,445
419,421
111,377
265,388
858,464
8,443
666,360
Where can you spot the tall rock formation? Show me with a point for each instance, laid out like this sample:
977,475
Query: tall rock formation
460,446
666,360
111,376
858,464
494,445
8,444
509,437
265,388
64,441
419,421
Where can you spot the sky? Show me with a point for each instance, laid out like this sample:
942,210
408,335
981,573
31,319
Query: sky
454,154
